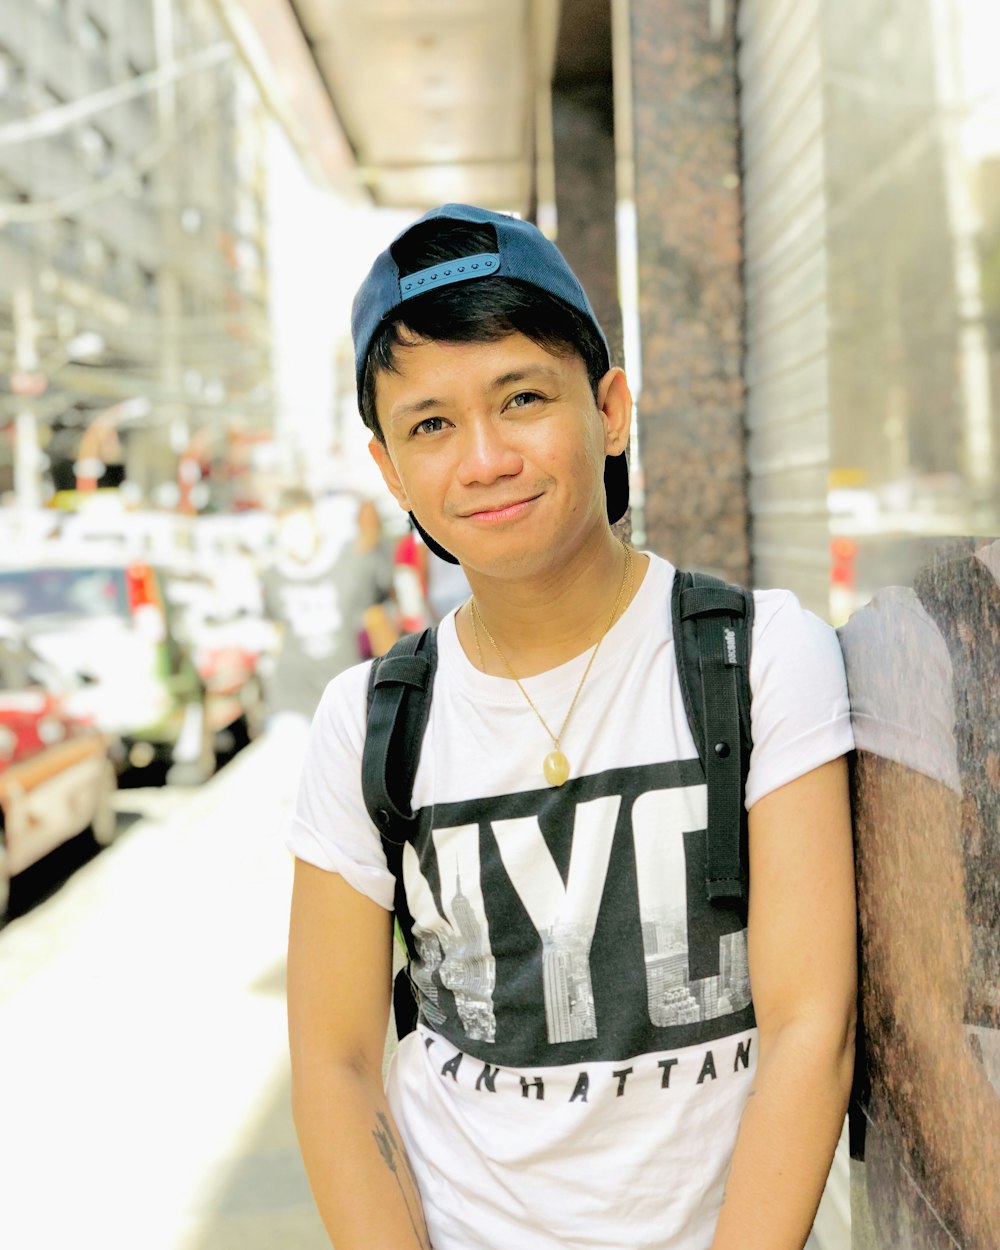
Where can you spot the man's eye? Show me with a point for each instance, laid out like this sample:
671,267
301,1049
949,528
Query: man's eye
429,425
523,398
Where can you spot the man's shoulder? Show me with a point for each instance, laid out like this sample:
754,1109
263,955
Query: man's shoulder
780,616
793,646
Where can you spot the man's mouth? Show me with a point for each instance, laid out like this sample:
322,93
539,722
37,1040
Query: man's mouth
506,511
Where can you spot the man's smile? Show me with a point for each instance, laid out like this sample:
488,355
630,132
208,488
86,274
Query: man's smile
495,512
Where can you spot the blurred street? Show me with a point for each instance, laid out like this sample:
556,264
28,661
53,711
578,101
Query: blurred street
143,1025
786,217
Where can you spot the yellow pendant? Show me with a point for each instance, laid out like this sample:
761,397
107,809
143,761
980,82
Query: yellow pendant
555,768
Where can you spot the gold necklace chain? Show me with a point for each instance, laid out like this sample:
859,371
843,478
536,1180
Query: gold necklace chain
555,765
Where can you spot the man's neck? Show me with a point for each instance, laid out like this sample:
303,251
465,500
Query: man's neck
545,620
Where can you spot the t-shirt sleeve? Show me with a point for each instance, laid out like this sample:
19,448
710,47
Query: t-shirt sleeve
901,684
331,827
800,713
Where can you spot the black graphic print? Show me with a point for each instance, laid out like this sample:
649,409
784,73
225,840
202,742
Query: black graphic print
571,925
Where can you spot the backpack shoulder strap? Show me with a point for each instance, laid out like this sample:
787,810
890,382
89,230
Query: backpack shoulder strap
399,697
713,624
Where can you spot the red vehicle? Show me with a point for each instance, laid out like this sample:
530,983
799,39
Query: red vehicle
57,775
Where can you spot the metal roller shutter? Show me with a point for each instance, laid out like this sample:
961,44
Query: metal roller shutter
781,87
787,343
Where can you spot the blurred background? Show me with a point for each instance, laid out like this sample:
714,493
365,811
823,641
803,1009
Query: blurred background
787,215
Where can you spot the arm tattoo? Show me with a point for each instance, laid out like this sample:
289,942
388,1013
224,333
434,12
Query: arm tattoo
393,1155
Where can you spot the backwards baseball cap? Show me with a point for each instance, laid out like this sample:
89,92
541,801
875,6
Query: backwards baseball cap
522,253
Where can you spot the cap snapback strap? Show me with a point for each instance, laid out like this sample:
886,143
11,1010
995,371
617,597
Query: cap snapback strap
461,269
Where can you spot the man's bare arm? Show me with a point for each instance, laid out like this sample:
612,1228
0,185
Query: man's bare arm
339,981
801,946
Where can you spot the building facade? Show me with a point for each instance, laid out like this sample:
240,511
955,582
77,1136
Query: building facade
870,140
132,223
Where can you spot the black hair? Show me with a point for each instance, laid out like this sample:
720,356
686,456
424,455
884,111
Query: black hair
294,499
481,311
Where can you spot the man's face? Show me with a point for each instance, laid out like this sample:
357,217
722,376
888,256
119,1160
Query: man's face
497,448
298,534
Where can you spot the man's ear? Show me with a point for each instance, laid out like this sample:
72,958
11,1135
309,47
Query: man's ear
380,454
614,400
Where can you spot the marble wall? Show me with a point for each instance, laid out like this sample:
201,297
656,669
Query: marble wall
690,285
583,137
923,664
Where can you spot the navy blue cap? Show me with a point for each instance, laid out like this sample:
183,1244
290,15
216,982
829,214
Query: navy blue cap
523,252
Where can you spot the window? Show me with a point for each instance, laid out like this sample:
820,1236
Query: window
97,150
33,594
68,255
95,255
47,97
150,290
93,36
11,74
912,278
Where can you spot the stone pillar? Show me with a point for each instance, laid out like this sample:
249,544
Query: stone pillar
922,662
583,145
686,144
582,126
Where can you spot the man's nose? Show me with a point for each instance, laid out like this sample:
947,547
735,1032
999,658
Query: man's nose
487,454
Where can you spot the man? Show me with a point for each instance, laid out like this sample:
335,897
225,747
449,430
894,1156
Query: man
588,1068
318,589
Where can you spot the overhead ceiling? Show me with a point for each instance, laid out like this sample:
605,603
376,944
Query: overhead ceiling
440,99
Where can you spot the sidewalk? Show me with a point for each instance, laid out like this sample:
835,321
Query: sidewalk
256,1196
143,1033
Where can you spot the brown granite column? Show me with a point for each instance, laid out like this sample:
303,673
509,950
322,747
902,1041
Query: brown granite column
922,667
690,289
584,150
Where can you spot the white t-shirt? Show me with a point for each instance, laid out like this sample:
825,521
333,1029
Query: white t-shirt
900,677
587,1038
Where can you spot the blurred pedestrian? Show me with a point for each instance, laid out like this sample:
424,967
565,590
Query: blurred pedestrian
447,586
326,588
409,580
425,587
588,1068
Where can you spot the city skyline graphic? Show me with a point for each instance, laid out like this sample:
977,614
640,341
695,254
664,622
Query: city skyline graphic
461,957
464,893
570,1015
673,997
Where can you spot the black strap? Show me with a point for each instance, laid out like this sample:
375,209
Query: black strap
399,698
713,623
399,688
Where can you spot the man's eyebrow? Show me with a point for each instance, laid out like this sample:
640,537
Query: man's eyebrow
418,406
528,372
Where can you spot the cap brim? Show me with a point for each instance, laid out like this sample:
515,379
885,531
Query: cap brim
615,494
